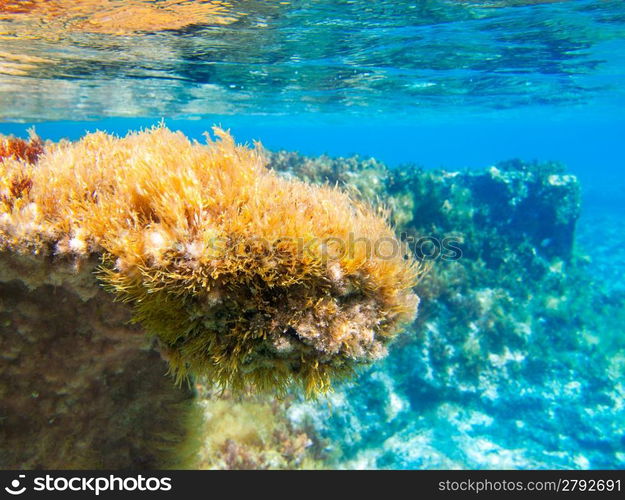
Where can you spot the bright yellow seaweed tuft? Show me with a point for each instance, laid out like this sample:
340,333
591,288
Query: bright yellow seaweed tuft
243,276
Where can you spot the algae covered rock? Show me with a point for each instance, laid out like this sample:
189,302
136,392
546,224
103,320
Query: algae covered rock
496,237
239,276
512,204
251,278
242,276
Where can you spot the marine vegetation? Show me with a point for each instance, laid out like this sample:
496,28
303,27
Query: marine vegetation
254,432
245,277
507,320
20,149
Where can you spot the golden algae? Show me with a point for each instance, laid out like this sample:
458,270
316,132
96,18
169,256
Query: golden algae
247,278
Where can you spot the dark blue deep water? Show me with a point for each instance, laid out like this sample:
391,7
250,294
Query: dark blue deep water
447,84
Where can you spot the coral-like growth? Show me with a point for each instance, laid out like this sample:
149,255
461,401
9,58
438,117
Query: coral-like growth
243,276
20,149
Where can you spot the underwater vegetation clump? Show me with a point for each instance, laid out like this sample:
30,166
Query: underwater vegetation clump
244,277
254,433
21,149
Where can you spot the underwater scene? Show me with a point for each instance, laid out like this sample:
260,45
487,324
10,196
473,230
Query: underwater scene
312,234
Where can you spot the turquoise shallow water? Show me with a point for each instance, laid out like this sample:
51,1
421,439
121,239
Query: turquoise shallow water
263,57
438,84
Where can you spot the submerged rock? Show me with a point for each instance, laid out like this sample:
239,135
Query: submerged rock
514,360
79,386
238,276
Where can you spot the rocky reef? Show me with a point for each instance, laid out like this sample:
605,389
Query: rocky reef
241,278
514,360
495,238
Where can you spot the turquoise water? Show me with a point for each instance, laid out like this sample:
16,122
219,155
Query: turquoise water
438,84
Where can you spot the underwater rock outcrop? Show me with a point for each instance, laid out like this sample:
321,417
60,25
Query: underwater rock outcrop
500,239
244,277
240,276
79,386
518,328
526,206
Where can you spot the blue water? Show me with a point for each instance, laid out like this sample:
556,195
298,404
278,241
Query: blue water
589,143
436,83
